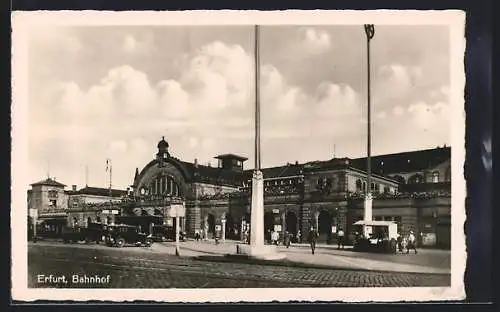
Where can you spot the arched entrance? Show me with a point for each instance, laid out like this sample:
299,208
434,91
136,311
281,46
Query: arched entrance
232,228
325,221
268,225
211,224
291,223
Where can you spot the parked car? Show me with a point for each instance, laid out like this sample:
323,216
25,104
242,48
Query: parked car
376,236
163,233
73,234
96,232
121,235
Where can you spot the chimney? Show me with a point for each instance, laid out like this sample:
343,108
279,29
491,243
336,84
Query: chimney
73,188
196,162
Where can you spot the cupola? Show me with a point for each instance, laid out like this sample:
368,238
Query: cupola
163,149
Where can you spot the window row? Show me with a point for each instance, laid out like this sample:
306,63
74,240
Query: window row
163,185
376,188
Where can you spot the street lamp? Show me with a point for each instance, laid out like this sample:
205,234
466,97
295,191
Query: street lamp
370,32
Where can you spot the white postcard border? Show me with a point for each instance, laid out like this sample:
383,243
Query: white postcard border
22,21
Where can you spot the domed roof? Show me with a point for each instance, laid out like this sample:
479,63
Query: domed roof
163,144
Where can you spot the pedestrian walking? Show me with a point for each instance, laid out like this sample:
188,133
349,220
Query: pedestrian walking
412,244
246,237
197,236
286,239
399,241
274,237
312,239
340,238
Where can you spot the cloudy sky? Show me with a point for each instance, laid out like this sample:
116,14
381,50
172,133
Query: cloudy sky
113,92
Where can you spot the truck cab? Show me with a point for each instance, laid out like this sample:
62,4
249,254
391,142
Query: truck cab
375,236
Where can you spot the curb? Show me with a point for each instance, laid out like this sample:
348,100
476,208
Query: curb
231,258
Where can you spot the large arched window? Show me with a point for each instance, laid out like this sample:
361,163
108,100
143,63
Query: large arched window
164,185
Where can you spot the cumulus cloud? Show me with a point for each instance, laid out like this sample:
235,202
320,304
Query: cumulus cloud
314,40
208,109
395,81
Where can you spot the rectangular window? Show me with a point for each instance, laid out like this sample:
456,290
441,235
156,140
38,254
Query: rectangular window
53,203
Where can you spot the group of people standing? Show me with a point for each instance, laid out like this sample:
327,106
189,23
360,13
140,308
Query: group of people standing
407,243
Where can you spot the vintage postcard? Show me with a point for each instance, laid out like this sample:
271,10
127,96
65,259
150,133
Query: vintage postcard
229,156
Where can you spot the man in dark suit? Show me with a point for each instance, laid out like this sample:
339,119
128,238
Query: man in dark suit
313,236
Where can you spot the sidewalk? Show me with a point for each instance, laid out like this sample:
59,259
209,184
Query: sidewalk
325,256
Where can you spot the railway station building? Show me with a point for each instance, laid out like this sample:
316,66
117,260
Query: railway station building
410,188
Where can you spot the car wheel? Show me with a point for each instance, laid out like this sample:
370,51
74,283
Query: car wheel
120,242
149,242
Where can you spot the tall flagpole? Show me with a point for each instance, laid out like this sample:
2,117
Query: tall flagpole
370,32
257,204
257,99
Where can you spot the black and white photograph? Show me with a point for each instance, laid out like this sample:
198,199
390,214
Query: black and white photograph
238,156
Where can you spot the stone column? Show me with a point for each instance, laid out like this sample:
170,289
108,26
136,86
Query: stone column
223,224
257,210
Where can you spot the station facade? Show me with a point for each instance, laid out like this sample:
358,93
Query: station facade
411,188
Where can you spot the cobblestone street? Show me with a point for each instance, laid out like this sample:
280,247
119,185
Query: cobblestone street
140,267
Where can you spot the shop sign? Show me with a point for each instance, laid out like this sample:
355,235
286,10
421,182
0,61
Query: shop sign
105,211
276,211
334,229
114,211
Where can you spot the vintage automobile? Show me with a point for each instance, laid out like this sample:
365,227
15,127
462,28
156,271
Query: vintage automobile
121,235
94,232
376,236
162,233
73,234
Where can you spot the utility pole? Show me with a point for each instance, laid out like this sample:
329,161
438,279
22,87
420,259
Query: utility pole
370,32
